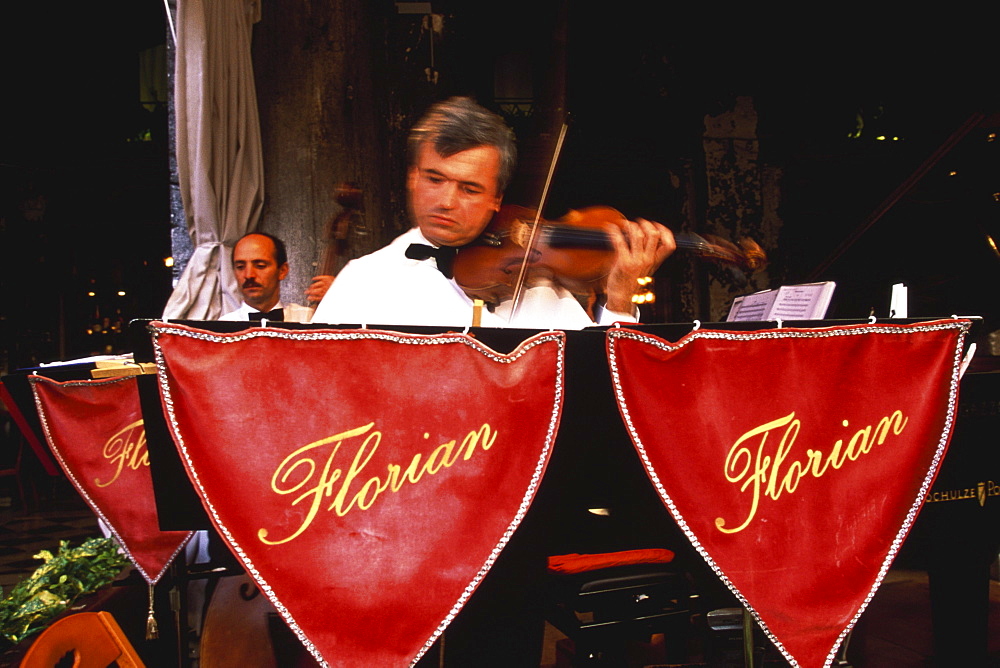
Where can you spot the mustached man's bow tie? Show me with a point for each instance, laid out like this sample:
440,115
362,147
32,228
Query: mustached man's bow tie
277,315
445,256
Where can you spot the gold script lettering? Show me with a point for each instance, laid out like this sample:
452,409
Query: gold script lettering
302,471
126,448
764,472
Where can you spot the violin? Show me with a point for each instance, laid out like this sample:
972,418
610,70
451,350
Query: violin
574,251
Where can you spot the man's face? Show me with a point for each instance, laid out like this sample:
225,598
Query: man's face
257,272
453,199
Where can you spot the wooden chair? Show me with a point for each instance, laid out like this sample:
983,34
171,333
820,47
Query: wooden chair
94,639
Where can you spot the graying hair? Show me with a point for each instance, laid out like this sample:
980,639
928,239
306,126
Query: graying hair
458,124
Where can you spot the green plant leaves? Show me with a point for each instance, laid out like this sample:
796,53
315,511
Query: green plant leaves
56,584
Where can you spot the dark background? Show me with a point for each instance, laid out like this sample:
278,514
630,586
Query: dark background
84,171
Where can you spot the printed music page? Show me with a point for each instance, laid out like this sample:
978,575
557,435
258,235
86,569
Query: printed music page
806,301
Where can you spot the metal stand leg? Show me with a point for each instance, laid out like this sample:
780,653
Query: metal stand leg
747,639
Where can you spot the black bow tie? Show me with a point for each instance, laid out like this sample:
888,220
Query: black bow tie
277,315
445,256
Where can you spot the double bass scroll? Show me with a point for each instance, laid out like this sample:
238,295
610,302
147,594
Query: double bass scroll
338,230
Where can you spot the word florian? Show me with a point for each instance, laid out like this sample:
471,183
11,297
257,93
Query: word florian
770,475
304,473
127,448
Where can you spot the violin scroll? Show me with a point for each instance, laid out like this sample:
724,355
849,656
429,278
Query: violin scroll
747,255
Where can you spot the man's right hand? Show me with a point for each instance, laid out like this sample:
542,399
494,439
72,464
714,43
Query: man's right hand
317,289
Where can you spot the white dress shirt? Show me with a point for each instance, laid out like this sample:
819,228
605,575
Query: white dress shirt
292,313
387,288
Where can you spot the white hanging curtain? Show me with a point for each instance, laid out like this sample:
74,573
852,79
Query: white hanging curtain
219,159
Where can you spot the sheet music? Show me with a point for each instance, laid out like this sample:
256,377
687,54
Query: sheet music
807,301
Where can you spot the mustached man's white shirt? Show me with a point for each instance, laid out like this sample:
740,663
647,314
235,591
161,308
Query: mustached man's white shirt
292,313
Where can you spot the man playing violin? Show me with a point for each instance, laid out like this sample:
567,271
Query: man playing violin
461,160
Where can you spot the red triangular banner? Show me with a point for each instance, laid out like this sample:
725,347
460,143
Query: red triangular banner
795,460
95,430
367,480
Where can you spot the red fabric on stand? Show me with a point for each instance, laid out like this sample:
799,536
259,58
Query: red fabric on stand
367,480
795,460
95,430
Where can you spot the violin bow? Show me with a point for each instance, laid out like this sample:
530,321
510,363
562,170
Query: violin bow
523,273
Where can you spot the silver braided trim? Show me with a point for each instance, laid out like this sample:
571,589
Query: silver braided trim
157,329
848,330
43,418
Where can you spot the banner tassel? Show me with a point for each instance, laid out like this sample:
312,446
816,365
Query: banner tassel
152,632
